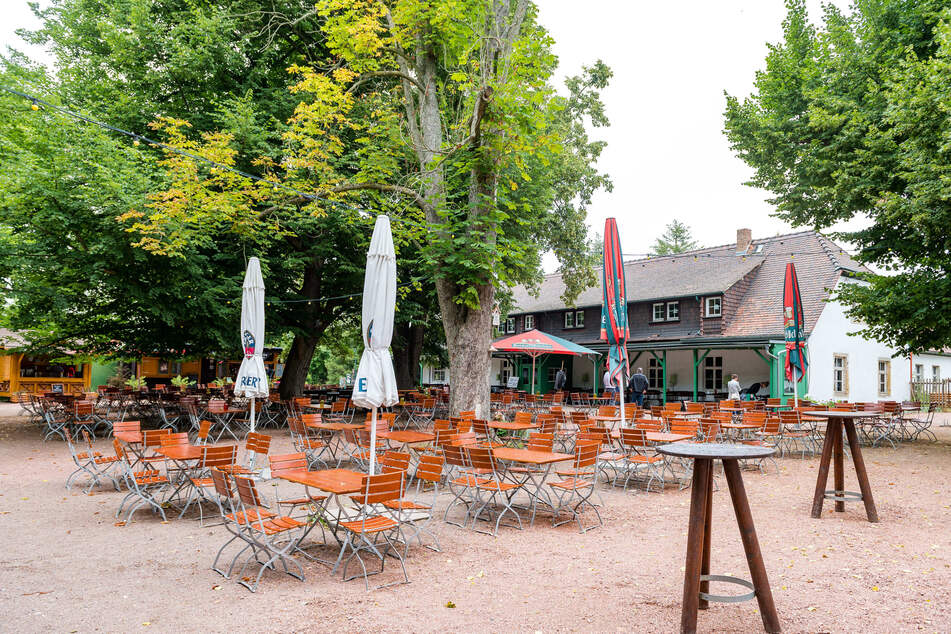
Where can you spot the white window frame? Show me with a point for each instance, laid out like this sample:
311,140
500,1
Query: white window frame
710,302
936,373
663,312
510,325
883,377
529,322
920,372
439,375
579,319
676,307
841,381
569,319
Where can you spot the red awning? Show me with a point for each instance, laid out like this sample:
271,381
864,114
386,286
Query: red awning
536,342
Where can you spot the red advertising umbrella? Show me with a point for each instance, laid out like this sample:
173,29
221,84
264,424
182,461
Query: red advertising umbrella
793,327
614,327
535,343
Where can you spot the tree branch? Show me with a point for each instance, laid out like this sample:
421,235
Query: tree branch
365,77
383,187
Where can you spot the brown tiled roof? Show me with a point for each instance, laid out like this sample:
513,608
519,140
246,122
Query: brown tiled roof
819,263
653,278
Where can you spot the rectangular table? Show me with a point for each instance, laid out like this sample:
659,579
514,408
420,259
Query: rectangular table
534,480
336,482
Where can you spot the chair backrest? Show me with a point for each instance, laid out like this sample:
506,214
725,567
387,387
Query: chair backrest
685,427
723,417
729,403
455,456
586,453
771,425
607,410
217,406
754,418
603,434
657,411
83,408
204,428
153,437
790,417
218,455
310,419
382,424
429,468
648,424
338,407
126,426
480,427
468,415
693,408
394,461
480,458
380,488
547,423
541,441
672,407
258,444
282,463
523,417
247,492
120,451
633,437
709,430
222,484
464,439
174,439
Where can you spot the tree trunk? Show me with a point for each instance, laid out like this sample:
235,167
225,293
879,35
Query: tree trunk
468,337
297,365
406,355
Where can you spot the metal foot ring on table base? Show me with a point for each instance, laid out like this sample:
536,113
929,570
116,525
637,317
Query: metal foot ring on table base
697,575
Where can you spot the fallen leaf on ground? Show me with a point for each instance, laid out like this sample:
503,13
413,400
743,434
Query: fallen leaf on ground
450,604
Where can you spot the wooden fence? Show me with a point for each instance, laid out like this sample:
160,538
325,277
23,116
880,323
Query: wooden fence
936,392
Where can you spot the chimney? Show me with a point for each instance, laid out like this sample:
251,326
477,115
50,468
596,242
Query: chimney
744,237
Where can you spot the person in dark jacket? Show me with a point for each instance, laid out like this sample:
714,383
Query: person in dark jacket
560,379
638,386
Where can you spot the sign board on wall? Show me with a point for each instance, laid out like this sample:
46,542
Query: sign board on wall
512,382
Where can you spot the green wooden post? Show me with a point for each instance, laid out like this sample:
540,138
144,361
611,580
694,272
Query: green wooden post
696,364
663,368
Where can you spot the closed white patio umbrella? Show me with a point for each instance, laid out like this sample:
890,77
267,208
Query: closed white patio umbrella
375,384
252,378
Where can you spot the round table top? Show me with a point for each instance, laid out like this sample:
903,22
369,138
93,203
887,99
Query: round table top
838,414
713,450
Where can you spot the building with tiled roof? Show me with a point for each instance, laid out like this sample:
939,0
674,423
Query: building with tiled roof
697,317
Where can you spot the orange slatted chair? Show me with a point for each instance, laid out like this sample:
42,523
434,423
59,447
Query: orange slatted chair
574,491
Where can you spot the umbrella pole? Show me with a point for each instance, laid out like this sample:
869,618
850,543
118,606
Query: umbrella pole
373,442
533,372
795,390
251,459
620,390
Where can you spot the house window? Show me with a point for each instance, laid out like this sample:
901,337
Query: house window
714,307
579,319
510,325
570,319
840,374
673,311
936,373
655,374
439,376
659,314
529,322
884,377
919,372
712,373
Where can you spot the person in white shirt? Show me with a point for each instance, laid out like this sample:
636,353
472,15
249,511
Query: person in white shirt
609,386
733,388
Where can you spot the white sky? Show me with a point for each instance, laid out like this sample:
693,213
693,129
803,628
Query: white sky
666,151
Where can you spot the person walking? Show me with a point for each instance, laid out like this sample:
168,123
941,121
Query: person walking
638,386
560,379
609,387
733,388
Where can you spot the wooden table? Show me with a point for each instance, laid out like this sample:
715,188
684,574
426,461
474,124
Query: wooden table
406,436
511,426
658,436
697,575
335,481
534,480
181,452
833,445
129,437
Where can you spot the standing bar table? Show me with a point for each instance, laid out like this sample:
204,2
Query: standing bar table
697,575
832,446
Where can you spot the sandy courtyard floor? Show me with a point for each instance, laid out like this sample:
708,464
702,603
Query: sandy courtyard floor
67,567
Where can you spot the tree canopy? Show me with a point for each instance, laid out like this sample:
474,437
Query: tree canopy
851,119
675,239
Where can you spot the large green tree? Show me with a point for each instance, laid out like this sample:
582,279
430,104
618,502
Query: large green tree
443,106
851,119
147,65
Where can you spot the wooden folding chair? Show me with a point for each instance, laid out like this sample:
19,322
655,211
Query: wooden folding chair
90,462
365,533
275,536
221,457
574,492
144,486
491,489
414,514
640,457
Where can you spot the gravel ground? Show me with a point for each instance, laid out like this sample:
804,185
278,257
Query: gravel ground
67,567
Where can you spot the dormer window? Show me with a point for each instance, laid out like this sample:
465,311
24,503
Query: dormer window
529,322
714,307
665,311
509,325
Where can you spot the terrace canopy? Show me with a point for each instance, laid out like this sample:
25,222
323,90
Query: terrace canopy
535,343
